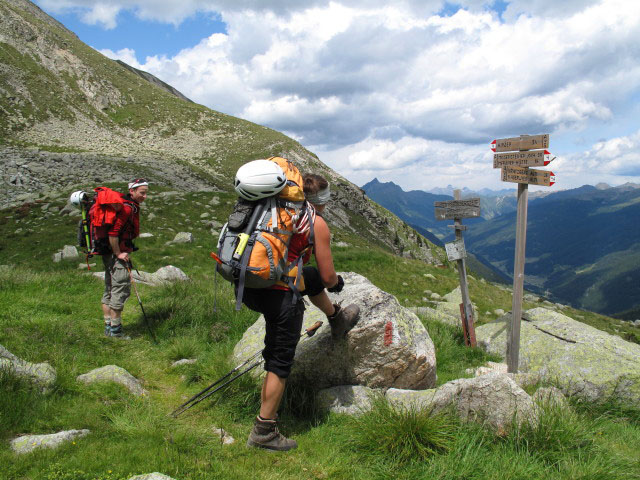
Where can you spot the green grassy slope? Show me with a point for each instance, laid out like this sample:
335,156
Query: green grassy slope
50,312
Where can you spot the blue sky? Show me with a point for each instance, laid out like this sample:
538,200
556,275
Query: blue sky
146,37
410,91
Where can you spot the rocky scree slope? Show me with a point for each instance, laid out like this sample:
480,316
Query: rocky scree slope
69,116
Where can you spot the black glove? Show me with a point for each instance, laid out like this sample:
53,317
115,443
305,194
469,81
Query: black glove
338,286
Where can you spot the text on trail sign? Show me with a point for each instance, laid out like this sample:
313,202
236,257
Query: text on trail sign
469,208
523,142
531,158
527,175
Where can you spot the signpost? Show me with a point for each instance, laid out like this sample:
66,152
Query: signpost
457,210
515,168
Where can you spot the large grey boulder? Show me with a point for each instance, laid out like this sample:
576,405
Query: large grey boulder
113,373
582,360
29,443
494,399
389,347
42,375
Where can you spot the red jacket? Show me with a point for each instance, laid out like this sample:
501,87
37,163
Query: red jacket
127,224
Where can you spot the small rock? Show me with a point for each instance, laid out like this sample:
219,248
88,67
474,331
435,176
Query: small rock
69,252
184,361
205,215
225,438
183,237
168,274
83,266
146,235
113,373
429,276
41,374
435,296
28,443
152,476
499,312
57,257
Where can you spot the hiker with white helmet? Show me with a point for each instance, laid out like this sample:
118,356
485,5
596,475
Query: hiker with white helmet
283,231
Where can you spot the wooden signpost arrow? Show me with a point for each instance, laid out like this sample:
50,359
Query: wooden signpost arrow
523,142
528,176
457,210
532,158
515,168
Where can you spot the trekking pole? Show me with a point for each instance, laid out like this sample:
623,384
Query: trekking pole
144,315
198,397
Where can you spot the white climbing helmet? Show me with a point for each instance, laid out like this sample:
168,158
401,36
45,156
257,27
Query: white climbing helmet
259,179
78,197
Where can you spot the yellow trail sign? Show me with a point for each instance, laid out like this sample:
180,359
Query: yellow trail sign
523,142
529,176
531,158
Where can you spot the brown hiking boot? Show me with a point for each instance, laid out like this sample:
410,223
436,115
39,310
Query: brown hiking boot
343,320
265,434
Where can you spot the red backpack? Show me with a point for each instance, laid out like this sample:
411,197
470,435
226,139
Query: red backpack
98,216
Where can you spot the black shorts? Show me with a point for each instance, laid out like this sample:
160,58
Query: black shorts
283,319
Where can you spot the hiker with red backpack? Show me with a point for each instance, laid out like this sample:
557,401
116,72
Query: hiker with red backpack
111,221
262,250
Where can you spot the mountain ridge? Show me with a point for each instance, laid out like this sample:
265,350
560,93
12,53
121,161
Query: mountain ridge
66,106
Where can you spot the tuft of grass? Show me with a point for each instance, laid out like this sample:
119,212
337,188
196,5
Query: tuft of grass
559,432
402,434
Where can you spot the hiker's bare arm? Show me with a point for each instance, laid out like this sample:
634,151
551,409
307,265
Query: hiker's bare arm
115,248
323,253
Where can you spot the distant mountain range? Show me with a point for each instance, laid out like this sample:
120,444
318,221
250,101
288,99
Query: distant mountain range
583,244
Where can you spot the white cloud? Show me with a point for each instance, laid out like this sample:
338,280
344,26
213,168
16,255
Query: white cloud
615,157
384,83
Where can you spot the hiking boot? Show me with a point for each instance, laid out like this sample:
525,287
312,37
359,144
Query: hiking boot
116,331
107,329
343,320
265,434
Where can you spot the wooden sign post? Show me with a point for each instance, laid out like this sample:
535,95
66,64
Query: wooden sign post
457,210
515,168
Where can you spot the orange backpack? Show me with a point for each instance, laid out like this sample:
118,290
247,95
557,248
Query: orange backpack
253,247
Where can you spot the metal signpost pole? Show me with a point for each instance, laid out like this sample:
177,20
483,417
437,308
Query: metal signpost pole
467,307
